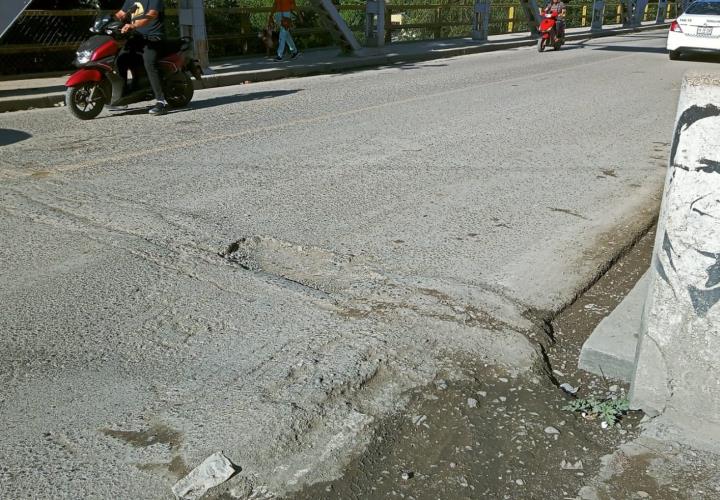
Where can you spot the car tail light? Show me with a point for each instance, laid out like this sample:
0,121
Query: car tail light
675,26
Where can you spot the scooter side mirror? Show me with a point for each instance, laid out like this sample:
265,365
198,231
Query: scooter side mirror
101,23
113,27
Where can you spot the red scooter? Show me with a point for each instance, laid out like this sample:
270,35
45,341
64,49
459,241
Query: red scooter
548,32
98,83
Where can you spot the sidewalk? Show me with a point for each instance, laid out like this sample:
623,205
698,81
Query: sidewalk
17,95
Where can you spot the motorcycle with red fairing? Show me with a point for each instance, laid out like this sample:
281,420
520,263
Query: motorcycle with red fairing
549,35
97,81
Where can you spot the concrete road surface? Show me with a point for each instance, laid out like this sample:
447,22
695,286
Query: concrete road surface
267,272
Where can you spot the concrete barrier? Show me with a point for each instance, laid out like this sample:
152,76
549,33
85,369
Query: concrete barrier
610,350
677,365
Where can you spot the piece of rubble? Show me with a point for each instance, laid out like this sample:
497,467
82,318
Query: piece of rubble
214,470
566,465
568,388
419,419
472,403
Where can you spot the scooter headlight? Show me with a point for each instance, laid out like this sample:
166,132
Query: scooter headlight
83,56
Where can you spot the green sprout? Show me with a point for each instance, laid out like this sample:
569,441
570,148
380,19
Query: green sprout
610,410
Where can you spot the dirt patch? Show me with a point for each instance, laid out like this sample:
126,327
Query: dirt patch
494,436
157,434
177,468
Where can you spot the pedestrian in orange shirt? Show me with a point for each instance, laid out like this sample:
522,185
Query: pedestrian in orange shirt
282,15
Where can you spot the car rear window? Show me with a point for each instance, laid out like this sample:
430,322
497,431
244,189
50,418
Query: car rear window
706,8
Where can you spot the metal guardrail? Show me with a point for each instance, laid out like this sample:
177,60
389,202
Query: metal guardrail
45,40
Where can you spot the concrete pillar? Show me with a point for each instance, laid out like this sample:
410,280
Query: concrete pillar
192,24
375,23
598,15
481,19
677,366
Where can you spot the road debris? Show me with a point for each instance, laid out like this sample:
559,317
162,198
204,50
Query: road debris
419,419
552,431
566,465
216,469
569,389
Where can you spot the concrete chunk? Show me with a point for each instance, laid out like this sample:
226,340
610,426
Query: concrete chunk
215,469
610,350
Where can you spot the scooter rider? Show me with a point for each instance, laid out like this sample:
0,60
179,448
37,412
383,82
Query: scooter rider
559,7
147,20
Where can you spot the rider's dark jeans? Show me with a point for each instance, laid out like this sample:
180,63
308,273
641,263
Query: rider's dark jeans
560,27
149,49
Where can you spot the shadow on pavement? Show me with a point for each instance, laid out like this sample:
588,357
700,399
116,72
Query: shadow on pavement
10,136
700,57
625,48
231,99
401,65
564,48
210,103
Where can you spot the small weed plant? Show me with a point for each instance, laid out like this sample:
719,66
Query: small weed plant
609,410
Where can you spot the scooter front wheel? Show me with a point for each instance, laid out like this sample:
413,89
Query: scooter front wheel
85,101
541,44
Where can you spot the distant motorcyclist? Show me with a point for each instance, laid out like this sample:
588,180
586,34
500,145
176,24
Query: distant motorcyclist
147,19
558,7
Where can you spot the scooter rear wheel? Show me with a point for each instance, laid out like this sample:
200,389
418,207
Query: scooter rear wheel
179,91
81,103
541,44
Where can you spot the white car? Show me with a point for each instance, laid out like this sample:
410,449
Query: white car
696,30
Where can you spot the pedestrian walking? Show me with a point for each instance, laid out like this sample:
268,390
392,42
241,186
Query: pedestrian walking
282,16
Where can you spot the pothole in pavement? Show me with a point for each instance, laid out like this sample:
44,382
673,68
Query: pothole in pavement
310,266
358,288
494,436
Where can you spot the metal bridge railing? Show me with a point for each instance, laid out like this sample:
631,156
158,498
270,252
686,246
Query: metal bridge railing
45,40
